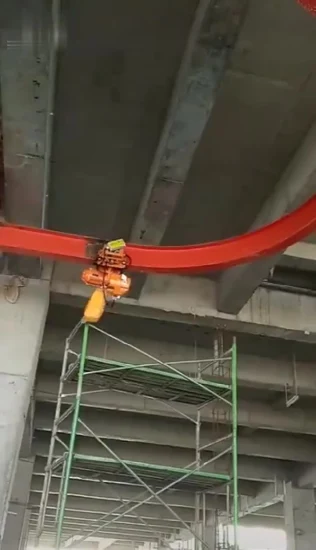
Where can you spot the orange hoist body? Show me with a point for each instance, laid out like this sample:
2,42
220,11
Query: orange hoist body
108,277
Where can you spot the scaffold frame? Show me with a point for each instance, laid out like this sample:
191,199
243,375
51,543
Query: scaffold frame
215,382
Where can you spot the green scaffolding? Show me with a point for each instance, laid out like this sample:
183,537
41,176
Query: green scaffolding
214,382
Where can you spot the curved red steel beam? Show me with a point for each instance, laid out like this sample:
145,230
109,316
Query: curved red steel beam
308,5
267,240
183,259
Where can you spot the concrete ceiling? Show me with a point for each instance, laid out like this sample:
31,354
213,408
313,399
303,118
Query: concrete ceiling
114,84
115,79
118,67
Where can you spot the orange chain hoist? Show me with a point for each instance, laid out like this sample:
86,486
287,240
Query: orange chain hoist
108,276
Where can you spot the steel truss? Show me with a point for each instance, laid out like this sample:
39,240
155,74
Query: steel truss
212,390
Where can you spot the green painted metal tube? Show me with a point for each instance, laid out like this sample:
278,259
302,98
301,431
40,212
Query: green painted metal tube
63,499
235,444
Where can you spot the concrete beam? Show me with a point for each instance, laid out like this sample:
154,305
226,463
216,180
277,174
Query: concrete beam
255,469
248,488
253,371
168,525
147,511
205,58
21,328
261,443
47,540
118,422
115,492
193,301
110,534
139,530
301,256
270,494
273,511
297,184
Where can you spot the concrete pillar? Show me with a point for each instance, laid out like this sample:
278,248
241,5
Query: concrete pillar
206,533
210,530
15,532
26,529
21,330
300,518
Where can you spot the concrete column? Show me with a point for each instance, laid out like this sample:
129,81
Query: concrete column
25,529
206,533
16,522
300,518
21,330
210,530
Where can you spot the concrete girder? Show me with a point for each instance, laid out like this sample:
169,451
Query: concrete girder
262,522
300,256
140,530
256,469
270,445
209,45
192,300
247,521
272,511
70,534
123,522
297,184
118,535
247,488
253,371
122,422
119,492
147,511
270,494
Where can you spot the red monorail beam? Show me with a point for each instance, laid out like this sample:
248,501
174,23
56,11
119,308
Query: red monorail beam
270,239
308,5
